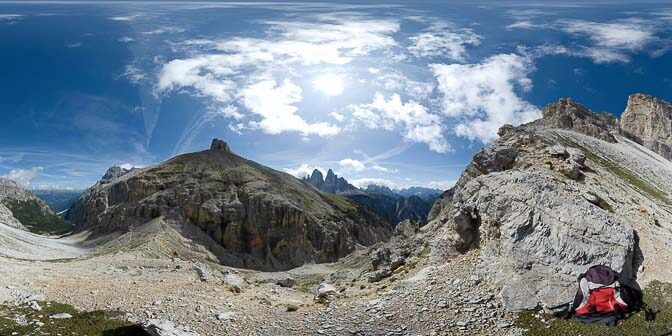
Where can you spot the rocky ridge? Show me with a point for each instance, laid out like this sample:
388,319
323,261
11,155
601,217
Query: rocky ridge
552,197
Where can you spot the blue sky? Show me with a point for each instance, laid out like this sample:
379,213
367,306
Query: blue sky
400,94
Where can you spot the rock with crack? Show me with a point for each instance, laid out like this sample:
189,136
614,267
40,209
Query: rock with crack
535,238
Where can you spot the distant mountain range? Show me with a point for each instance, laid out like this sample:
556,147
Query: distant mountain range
396,205
58,200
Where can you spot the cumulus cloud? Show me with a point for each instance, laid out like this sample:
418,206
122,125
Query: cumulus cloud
442,185
417,124
482,97
303,170
274,103
441,40
23,177
394,80
259,73
366,181
351,164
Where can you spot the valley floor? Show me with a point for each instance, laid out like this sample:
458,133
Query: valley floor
421,300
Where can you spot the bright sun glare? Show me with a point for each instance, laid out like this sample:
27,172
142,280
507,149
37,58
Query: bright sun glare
329,84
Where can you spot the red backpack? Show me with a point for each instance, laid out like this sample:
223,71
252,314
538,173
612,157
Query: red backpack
601,298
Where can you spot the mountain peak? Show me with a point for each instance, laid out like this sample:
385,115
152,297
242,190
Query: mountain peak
115,172
568,114
218,145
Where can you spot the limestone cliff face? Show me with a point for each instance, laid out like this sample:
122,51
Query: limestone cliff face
247,214
648,120
550,198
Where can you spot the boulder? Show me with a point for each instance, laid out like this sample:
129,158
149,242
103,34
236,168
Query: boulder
535,237
165,328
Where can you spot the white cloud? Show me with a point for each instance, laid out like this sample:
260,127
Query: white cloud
74,45
23,177
133,74
339,117
394,80
525,25
384,169
165,30
247,71
274,103
351,164
125,18
415,122
126,39
14,158
441,40
131,165
366,181
612,41
9,17
628,34
483,96
443,185
303,170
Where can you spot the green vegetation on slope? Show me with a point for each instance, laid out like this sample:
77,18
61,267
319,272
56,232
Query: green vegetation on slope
657,295
622,173
31,215
341,202
97,323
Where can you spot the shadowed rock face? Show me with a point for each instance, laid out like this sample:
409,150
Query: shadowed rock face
247,214
648,120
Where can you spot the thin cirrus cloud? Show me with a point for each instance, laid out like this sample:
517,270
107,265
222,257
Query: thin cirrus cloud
609,42
441,41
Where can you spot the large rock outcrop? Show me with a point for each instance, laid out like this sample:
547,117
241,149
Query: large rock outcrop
568,114
550,198
535,238
648,120
247,214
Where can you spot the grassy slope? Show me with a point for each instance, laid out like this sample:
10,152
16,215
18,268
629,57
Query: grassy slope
97,323
30,214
